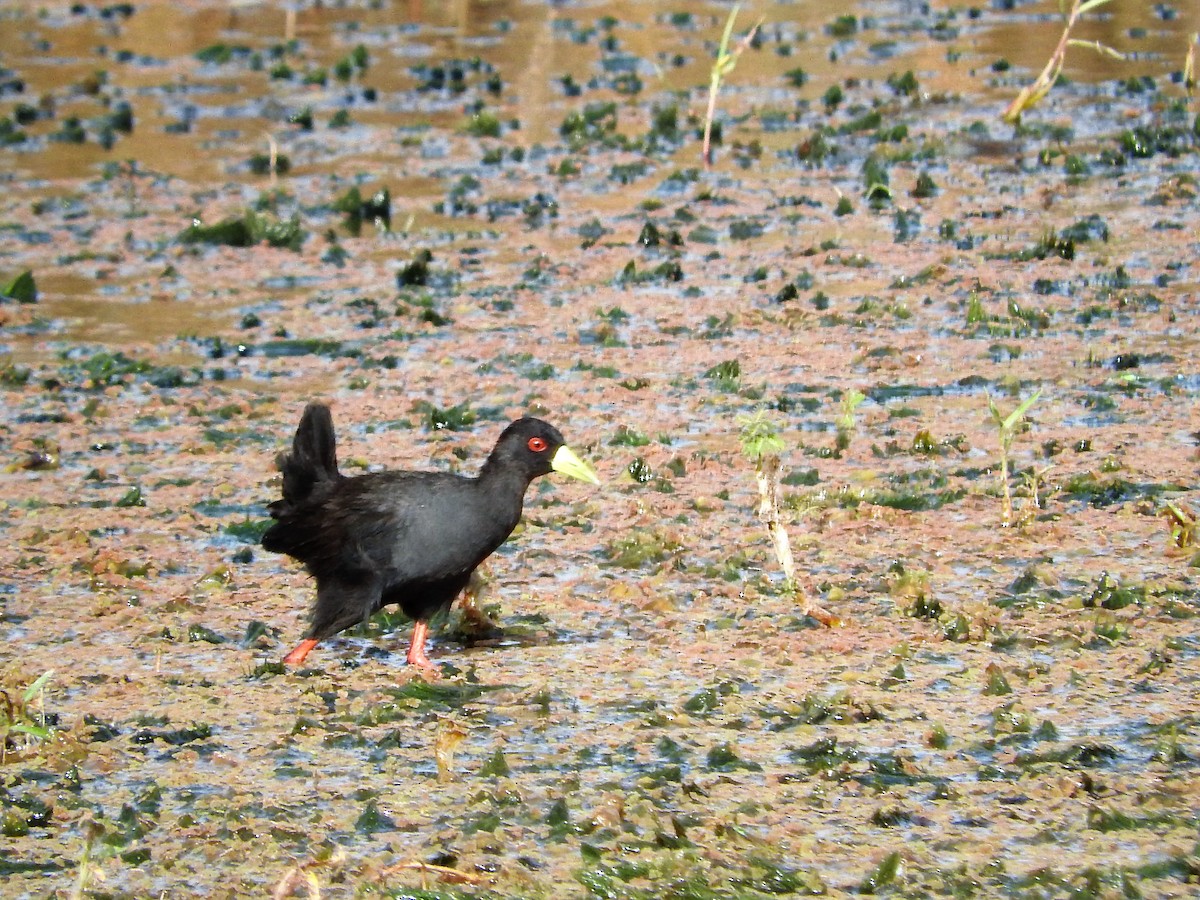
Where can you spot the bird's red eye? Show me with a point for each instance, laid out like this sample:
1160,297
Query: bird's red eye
537,444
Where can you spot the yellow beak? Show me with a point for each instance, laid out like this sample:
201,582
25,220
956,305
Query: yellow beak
566,462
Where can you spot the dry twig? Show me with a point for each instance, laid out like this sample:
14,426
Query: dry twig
724,64
1032,94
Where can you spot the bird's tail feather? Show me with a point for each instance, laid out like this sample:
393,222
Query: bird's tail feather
313,459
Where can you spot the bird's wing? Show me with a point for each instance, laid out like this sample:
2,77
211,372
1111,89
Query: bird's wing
404,526
419,526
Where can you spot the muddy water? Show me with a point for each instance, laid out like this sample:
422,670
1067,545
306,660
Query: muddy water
1007,708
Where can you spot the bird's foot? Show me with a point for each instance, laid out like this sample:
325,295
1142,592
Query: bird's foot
297,656
416,653
423,668
822,615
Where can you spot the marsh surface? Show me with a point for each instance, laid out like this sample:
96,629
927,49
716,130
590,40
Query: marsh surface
440,216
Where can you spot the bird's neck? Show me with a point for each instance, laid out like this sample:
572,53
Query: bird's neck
505,486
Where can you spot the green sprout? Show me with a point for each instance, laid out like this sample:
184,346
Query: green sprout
724,63
1007,427
763,446
1032,94
18,718
851,400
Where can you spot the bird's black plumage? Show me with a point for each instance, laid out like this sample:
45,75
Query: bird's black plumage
406,538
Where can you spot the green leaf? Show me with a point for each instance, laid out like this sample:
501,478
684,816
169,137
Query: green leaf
1009,422
22,288
997,416
1019,413
36,731
760,436
884,874
497,765
723,52
34,689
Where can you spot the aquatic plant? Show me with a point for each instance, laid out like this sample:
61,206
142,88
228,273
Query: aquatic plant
875,181
1035,484
669,270
357,209
883,874
727,376
246,231
449,735
21,726
22,288
725,62
851,400
1032,94
763,446
832,97
483,124
642,546
1182,523
596,123
925,187
1007,427
93,831
271,163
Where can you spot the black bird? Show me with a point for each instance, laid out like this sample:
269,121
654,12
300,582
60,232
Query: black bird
411,538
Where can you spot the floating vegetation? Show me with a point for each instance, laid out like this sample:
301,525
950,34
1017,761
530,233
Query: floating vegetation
250,229
453,76
1182,523
415,273
1106,489
595,123
1145,142
649,714
628,437
668,271
459,417
102,369
725,375
376,209
846,421
1109,593
642,547
24,724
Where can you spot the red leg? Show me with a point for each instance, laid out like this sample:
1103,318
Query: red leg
416,650
298,655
